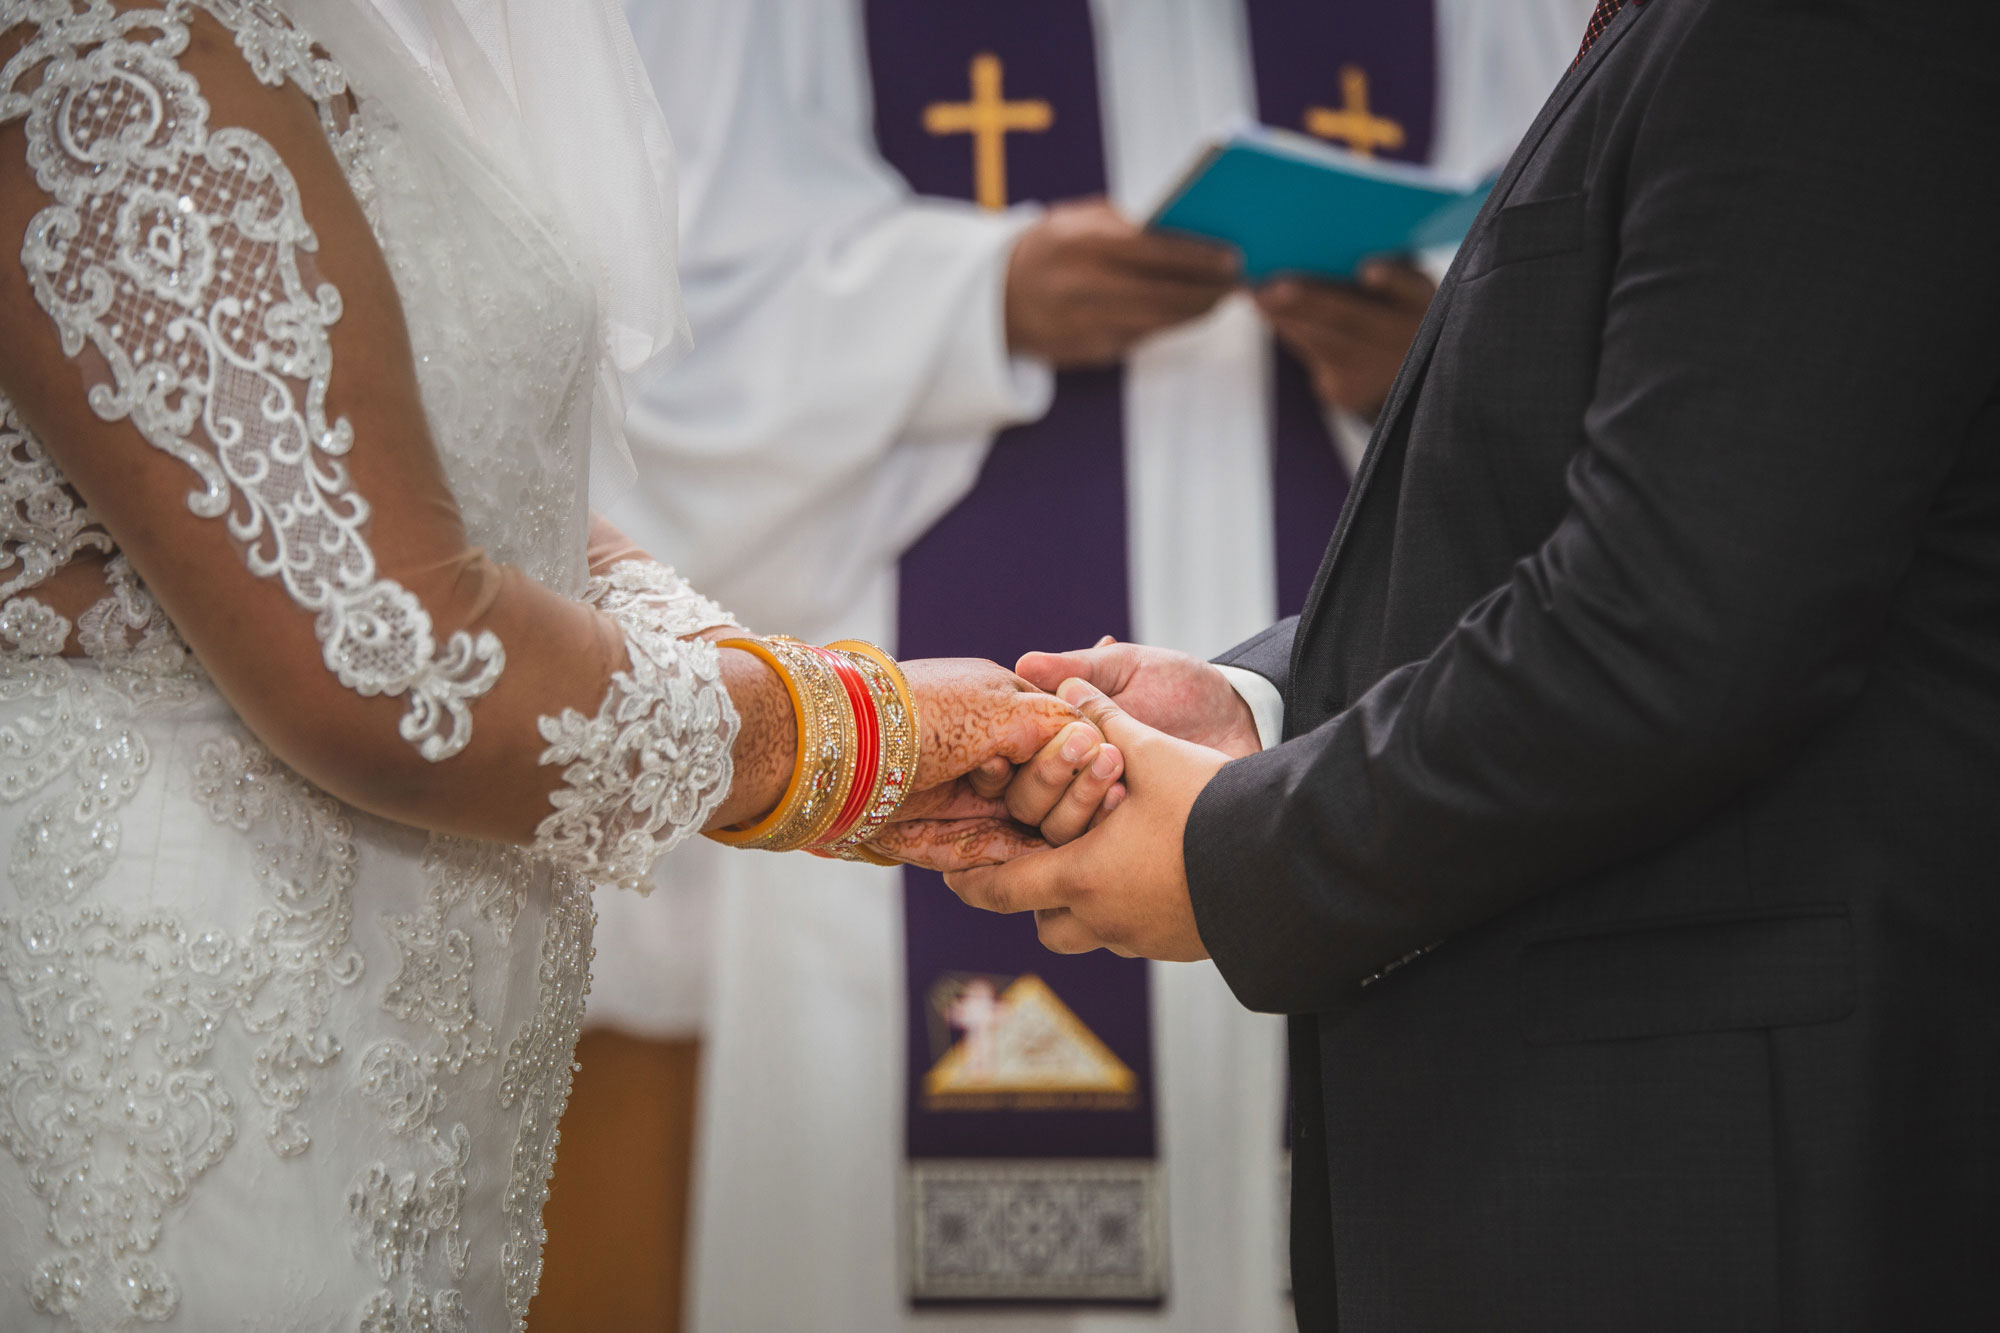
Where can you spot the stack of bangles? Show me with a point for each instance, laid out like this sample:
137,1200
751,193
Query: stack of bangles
858,744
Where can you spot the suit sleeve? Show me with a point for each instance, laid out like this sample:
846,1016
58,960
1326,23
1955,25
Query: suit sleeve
1268,653
1799,333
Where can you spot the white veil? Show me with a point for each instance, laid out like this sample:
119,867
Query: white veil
554,92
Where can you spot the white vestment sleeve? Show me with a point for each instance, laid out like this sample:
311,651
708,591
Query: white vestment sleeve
850,363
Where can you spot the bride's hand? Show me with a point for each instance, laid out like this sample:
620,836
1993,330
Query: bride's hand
979,720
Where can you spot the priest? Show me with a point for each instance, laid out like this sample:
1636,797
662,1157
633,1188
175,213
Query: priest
894,252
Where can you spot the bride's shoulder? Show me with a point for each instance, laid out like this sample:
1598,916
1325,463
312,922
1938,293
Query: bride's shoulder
204,41
166,146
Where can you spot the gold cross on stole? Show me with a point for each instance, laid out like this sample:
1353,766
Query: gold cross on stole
988,118
1353,124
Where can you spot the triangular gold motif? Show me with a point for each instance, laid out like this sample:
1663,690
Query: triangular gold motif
1032,1052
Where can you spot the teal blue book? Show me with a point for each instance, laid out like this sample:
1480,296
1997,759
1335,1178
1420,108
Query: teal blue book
1292,204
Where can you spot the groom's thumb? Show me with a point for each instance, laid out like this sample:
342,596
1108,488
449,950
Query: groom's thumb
1115,723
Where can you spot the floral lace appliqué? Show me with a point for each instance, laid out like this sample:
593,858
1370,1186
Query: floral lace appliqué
177,254
42,523
404,1216
406,1210
536,1078
650,596
655,762
112,1106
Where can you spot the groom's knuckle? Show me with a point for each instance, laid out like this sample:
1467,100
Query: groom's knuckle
988,890
1058,932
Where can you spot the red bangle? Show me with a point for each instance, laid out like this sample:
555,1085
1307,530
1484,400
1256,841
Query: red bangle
868,748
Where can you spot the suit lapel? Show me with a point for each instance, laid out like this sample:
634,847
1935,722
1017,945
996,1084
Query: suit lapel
1417,363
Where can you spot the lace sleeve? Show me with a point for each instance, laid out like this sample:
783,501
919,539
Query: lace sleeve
653,764
175,261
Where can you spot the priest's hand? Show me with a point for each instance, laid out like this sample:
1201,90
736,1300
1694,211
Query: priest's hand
1177,693
979,721
1085,284
1123,884
1352,338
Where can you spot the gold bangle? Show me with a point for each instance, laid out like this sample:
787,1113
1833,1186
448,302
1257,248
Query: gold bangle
824,767
902,738
848,852
828,770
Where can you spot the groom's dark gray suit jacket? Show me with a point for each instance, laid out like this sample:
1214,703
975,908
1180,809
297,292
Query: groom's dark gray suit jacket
1633,863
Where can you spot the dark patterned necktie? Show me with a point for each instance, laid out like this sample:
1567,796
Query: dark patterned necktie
1600,19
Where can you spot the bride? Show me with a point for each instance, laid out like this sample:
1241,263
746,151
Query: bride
323,702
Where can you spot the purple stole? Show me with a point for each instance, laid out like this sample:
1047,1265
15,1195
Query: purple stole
1301,55
1030,1178
1033,1172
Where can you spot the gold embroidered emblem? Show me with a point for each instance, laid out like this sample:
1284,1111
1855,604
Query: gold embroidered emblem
989,118
1022,1049
1353,123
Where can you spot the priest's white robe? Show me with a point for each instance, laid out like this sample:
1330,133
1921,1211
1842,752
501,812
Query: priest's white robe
849,371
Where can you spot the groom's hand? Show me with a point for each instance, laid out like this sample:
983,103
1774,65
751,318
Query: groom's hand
979,717
978,721
1172,692
1069,787
1123,884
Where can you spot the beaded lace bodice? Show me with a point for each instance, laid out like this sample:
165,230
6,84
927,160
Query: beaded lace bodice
355,1002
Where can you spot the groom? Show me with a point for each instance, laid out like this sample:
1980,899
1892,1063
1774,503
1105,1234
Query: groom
1631,861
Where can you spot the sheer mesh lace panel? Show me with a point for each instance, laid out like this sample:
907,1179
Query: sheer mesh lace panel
175,264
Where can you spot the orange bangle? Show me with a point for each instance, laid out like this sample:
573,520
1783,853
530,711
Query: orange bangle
823,771
858,742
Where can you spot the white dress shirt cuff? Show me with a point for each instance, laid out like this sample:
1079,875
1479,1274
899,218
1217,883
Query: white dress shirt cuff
1267,706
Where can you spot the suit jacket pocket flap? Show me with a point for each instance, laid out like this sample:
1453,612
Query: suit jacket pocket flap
1696,974
1539,228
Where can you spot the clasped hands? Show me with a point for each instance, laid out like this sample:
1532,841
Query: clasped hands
1065,789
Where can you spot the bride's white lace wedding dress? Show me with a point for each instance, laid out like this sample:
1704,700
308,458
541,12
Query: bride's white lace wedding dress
268,1062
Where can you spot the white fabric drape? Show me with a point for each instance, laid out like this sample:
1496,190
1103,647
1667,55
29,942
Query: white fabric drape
554,92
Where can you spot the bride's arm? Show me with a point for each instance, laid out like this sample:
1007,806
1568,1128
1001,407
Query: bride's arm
457,744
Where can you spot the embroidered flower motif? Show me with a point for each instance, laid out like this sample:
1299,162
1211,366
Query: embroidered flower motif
43,525
536,1077
113,1108
654,762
